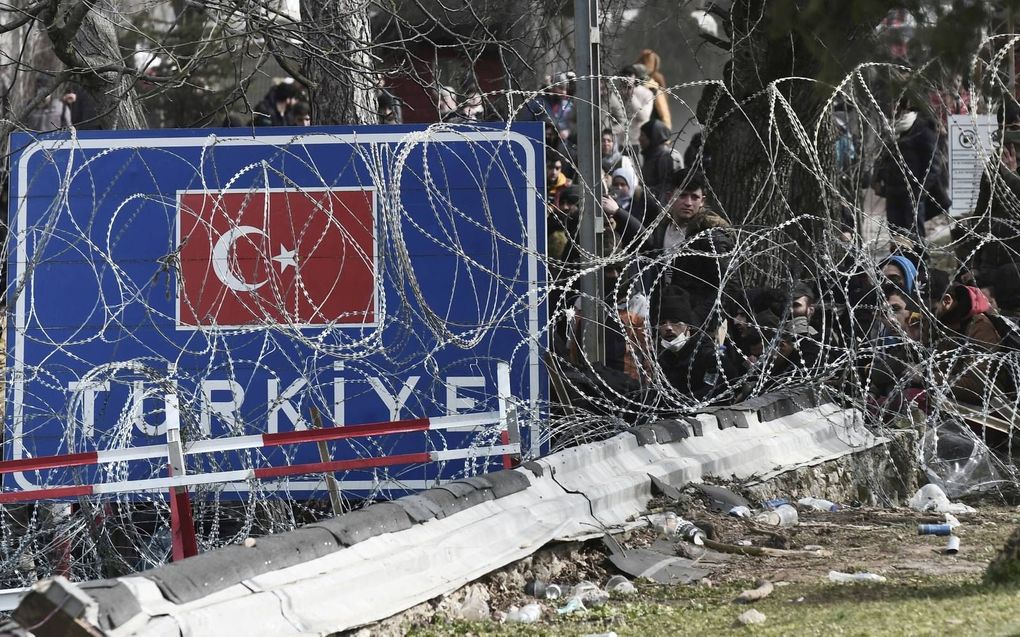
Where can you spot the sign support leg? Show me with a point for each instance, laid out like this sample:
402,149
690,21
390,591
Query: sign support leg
182,523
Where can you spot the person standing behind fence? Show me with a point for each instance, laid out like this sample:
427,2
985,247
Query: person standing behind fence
908,176
274,109
638,101
657,84
660,160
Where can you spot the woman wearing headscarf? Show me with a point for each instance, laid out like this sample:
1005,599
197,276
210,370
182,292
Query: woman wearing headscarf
624,210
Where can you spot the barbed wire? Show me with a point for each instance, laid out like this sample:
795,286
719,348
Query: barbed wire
778,297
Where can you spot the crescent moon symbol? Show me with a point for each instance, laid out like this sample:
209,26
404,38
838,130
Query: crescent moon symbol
221,259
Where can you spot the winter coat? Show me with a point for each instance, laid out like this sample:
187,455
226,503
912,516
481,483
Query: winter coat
963,352
691,370
920,164
267,115
995,263
699,274
658,166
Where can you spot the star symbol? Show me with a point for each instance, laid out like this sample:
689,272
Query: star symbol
286,258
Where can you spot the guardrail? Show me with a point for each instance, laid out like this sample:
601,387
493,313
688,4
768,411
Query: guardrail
179,480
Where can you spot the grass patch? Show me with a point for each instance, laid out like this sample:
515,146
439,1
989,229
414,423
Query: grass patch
914,606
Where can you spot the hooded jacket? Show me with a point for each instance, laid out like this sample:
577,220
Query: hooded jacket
965,347
909,271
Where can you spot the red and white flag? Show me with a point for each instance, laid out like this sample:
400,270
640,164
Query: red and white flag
299,257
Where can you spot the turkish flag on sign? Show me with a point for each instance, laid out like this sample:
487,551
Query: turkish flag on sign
298,257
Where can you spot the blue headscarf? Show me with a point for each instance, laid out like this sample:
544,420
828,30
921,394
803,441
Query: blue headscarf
909,271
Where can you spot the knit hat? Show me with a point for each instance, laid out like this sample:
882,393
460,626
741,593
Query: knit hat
675,305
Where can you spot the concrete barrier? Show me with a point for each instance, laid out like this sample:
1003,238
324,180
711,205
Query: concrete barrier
370,564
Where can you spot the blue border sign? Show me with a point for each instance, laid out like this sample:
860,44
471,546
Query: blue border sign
371,273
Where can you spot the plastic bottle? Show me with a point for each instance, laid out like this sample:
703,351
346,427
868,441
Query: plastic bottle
538,588
670,523
775,503
784,515
847,578
818,504
740,512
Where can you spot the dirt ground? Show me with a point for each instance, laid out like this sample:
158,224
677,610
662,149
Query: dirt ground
926,591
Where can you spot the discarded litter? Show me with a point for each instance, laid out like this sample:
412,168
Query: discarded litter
527,614
667,523
774,503
783,515
538,588
740,512
473,607
952,521
620,585
751,617
931,497
744,543
763,590
573,605
818,504
934,529
953,545
850,578
590,594
813,547
690,532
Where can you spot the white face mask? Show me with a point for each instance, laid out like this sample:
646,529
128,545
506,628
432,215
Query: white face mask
676,344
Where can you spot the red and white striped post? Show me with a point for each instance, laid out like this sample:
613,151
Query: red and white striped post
179,481
182,523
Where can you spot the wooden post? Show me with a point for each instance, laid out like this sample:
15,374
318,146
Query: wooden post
331,485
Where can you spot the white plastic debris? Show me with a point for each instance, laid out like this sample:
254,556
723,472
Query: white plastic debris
527,614
573,605
818,504
784,515
952,521
620,585
851,578
931,497
590,594
751,617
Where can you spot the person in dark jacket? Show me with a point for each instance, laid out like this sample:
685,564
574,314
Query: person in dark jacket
274,109
912,184
658,165
964,336
685,354
689,245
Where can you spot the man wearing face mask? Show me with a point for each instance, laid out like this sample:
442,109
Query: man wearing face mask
686,356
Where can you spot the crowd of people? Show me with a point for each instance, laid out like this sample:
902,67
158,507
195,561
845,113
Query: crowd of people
686,333
897,330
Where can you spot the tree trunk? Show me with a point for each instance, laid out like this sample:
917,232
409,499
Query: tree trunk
84,38
783,169
336,65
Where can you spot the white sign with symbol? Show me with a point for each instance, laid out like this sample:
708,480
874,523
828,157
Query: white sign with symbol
970,147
